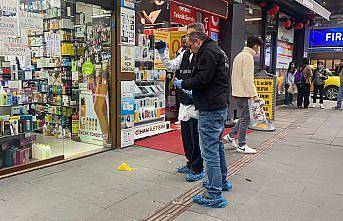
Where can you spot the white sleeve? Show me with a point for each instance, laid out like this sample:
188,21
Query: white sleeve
171,65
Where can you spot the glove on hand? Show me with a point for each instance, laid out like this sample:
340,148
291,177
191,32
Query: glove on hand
160,46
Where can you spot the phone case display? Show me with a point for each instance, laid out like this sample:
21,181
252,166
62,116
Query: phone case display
149,88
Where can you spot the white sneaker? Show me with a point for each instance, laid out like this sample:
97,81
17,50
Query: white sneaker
246,149
312,105
231,140
322,106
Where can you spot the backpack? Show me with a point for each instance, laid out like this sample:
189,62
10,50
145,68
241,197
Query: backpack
299,77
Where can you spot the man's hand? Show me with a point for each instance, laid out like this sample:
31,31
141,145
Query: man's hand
177,83
160,46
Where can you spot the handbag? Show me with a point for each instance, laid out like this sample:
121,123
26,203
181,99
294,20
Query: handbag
292,89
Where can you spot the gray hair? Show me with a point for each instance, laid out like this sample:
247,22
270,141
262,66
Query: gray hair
197,35
197,26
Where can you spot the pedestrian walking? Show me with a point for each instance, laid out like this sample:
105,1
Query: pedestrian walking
339,70
243,89
289,83
319,76
183,65
302,78
209,83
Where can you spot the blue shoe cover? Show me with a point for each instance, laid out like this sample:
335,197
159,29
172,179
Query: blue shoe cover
183,169
227,187
202,200
192,177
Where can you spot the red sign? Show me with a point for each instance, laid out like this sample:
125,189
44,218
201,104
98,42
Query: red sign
212,27
182,15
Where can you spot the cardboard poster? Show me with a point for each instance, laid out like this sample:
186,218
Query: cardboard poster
175,42
127,23
128,55
128,4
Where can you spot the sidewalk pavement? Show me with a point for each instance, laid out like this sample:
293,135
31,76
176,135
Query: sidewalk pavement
298,178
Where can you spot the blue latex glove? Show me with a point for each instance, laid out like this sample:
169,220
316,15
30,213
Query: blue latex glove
189,93
177,83
160,46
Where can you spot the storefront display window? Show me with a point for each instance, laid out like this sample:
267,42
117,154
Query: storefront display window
55,64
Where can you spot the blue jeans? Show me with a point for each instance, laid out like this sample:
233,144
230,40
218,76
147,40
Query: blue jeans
211,126
340,97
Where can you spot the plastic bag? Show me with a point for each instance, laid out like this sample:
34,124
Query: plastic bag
257,113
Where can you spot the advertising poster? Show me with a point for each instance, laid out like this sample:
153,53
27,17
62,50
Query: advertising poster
284,54
127,22
53,44
266,89
30,22
14,46
286,35
127,112
182,15
175,42
152,14
9,19
89,126
164,36
128,55
128,4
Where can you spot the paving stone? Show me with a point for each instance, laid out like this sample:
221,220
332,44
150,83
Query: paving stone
70,210
136,206
104,215
188,216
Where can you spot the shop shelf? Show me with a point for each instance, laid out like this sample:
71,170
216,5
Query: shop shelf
150,120
9,136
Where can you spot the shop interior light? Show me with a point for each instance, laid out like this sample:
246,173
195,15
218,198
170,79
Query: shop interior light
253,19
101,16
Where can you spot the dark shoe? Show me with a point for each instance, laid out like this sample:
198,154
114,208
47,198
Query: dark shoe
193,177
183,169
227,187
206,201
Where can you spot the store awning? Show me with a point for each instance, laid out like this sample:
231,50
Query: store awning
315,7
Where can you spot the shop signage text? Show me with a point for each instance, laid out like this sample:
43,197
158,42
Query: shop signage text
266,90
330,37
151,130
182,15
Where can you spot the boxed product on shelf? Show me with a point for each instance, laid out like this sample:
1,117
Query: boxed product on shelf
11,156
14,125
22,156
26,123
41,151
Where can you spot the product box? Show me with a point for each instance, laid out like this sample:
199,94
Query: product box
10,156
22,156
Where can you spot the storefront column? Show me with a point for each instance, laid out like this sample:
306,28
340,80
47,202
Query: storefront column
263,36
232,41
299,46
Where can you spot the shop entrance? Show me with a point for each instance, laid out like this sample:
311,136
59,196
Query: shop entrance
55,68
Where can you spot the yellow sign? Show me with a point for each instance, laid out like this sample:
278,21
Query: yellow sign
175,42
164,36
265,88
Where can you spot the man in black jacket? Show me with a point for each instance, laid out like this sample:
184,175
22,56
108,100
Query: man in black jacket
209,86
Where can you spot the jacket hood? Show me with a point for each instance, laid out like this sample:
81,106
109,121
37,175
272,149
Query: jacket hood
249,50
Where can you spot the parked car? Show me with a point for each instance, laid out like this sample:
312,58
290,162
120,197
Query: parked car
331,87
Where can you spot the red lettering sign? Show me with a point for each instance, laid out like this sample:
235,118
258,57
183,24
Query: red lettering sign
181,14
212,27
